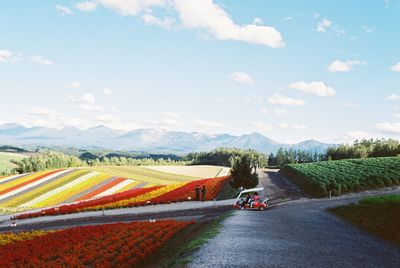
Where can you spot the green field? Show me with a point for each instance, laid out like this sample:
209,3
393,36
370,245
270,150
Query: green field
341,176
5,158
152,175
376,214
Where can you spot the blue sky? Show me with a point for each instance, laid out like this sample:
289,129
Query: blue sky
291,70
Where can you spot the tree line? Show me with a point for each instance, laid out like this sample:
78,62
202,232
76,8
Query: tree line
292,156
364,149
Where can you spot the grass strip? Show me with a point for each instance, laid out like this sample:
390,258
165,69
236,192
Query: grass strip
377,215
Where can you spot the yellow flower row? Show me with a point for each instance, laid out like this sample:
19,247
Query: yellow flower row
8,238
68,193
21,180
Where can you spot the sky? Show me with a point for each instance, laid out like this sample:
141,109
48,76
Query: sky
291,70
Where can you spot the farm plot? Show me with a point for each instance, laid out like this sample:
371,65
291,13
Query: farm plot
342,176
110,245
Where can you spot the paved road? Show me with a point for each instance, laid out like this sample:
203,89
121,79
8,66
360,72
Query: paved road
295,235
114,215
300,233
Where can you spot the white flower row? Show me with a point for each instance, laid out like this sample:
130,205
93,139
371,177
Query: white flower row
115,188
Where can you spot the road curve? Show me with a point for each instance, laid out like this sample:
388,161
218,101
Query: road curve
299,233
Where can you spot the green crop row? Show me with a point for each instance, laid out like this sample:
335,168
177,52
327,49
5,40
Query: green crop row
341,176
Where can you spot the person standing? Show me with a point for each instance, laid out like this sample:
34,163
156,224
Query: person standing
197,190
203,193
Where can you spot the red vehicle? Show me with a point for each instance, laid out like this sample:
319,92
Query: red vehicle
254,203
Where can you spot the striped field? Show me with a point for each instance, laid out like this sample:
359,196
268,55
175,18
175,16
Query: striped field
65,186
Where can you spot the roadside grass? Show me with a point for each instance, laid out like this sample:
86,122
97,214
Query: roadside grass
178,252
379,215
227,192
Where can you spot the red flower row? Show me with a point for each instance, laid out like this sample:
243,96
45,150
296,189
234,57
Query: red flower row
67,209
110,245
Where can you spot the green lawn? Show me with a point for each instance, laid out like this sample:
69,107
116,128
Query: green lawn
379,215
5,158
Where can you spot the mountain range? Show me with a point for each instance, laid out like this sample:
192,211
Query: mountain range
144,140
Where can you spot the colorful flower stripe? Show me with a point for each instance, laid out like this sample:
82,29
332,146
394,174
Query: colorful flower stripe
110,245
21,179
59,189
132,185
31,183
31,193
145,197
115,188
14,177
213,187
139,197
99,202
102,189
61,197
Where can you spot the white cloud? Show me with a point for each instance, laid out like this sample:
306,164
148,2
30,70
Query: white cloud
396,115
284,100
88,98
343,66
64,10
396,67
130,7
8,56
199,15
206,15
86,102
389,128
73,84
150,19
242,78
86,6
261,126
287,18
367,29
323,25
107,92
41,60
317,88
294,126
258,21
392,97
351,136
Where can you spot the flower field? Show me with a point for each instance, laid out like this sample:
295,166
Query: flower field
110,245
178,192
61,186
